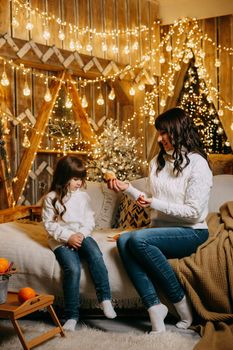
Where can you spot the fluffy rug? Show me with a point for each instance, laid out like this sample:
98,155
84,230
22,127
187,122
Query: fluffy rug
87,338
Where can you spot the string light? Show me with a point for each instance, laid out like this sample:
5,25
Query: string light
132,90
26,90
84,102
112,95
100,99
4,79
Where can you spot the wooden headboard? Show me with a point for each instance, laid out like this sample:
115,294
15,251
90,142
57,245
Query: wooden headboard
19,212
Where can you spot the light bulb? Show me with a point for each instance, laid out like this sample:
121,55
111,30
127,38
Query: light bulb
141,87
26,143
61,35
78,45
227,143
89,47
115,49
161,59
29,26
15,22
151,112
126,50
72,45
220,130
220,112
4,80
100,99
47,96
132,91
162,102
112,95
104,46
168,48
68,102
217,63
46,34
135,45
84,102
26,90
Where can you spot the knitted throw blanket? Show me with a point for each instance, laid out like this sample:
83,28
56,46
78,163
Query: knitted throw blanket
207,276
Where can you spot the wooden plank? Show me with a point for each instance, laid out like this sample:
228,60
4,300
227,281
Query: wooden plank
83,22
226,73
96,15
111,41
68,10
20,31
29,153
5,22
171,102
37,32
133,22
53,64
12,214
124,40
53,8
210,29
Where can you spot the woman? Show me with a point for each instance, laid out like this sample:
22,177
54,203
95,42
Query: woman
180,182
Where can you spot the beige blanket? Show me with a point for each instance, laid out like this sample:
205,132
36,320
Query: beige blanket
207,277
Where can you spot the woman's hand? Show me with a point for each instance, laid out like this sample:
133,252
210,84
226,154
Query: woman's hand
117,185
144,202
75,240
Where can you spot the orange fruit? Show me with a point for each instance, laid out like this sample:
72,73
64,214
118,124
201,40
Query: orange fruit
26,293
4,264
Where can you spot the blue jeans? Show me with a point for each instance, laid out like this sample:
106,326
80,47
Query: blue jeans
145,252
69,261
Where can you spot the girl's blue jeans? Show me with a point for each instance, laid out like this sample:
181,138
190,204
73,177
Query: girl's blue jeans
69,261
145,252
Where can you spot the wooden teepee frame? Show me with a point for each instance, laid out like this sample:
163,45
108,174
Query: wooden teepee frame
14,190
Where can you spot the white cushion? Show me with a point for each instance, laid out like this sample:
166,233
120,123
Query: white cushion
221,192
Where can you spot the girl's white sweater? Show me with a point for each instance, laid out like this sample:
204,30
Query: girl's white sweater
78,218
179,201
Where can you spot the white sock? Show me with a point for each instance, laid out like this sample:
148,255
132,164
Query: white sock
184,310
157,315
108,309
70,325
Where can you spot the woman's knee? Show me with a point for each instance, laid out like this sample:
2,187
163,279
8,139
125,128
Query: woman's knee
122,241
137,241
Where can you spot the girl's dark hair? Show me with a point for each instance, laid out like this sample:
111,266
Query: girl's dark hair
183,137
67,168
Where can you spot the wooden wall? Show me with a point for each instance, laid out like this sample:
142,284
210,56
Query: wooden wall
103,15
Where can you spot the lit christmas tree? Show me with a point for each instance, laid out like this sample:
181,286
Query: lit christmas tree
196,101
117,152
62,129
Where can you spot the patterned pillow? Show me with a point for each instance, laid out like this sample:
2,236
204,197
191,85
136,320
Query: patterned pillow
131,215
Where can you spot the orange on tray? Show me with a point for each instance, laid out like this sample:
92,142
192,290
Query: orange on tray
26,293
4,265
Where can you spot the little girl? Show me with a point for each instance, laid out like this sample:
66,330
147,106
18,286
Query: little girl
69,221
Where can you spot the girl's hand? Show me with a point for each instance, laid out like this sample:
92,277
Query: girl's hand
117,185
75,240
144,202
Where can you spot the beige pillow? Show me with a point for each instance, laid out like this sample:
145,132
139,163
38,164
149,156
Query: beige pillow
108,208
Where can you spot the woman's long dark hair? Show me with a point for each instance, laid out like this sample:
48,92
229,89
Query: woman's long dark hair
183,137
67,168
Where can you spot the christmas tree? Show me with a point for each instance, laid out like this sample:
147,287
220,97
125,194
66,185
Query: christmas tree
117,152
62,127
196,101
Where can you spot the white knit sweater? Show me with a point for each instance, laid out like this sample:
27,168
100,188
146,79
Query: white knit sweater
179,201
78,218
